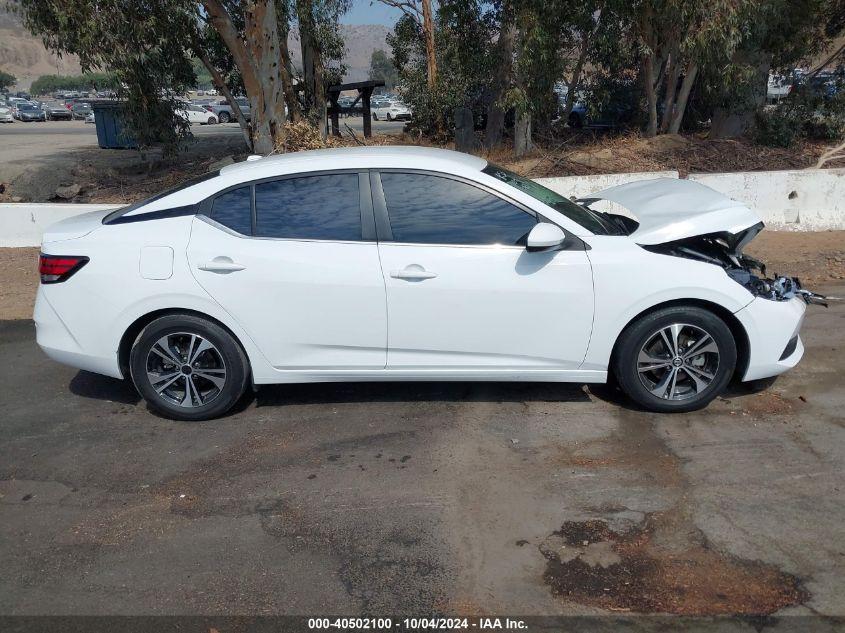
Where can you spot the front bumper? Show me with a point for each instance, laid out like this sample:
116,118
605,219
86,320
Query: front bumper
774,342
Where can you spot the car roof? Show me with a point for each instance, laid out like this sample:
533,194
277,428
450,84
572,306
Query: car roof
374,157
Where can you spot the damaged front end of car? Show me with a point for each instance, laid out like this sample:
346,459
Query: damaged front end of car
725,250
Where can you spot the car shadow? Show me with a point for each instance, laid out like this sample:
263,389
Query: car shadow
348,392
98,387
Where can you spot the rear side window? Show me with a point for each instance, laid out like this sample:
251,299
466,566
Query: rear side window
234,210
427,209
312,207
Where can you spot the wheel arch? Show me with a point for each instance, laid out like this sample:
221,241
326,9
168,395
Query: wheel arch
737,329
136,327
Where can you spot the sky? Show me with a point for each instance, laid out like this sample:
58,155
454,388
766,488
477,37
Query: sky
367,12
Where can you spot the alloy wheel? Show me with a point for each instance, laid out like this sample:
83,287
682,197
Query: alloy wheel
186,369
678,361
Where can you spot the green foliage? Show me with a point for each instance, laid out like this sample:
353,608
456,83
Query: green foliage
775,128
807,112
144,45
382,67
48,84
7,80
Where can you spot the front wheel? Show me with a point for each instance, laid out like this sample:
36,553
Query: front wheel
675,359
225,117
375,117
188,368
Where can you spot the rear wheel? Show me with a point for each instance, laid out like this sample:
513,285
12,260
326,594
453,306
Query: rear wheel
225,117
188,368
675,359
375,117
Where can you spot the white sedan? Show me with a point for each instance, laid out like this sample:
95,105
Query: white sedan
403,263
391,111
195,114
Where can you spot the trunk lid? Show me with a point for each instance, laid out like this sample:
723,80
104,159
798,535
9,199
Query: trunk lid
76,226
670,209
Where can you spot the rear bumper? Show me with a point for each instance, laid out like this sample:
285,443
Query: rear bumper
57,341
773,335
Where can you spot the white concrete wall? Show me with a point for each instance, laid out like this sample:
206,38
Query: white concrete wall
23,224
803,200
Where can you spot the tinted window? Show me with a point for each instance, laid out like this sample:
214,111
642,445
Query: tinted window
234,209
433,210
311,207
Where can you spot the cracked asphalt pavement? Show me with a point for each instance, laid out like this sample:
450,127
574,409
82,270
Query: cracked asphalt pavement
423,499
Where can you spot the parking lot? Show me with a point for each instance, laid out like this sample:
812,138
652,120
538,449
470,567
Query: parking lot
423,498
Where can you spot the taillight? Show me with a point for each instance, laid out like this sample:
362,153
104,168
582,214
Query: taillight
57,268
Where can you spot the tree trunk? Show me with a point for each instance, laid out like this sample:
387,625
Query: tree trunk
292,103
312,67
495,113
430,53
673,73
651,93
732,122
572,86
683,97
256,55
522,135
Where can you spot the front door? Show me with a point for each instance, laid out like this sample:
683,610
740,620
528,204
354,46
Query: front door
288,260
462,291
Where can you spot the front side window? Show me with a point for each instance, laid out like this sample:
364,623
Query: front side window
323,207
233,209
428,209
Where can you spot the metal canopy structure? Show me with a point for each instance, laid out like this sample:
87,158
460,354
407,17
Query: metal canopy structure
365,91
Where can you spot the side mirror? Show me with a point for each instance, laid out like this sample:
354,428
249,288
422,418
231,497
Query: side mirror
545,237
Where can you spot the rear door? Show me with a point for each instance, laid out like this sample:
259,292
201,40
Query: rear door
294,260
462,291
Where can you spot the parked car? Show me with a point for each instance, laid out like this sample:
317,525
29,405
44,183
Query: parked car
196,114
28,112
90,118
391,111
56,112
80,109
224,113
408,263
6,115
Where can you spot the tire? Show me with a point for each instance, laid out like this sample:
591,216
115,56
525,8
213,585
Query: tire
575,121
211,120
702,361
225,117
218,375
389,117
375,117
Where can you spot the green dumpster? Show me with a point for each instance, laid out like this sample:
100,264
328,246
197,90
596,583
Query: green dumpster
110,130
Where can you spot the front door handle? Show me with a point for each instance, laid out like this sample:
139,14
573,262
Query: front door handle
413,272
221,265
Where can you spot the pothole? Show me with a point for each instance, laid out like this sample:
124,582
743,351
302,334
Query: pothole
590,564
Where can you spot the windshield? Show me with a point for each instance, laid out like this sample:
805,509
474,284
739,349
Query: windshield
591,220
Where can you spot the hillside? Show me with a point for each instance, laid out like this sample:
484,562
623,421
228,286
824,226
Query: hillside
25,57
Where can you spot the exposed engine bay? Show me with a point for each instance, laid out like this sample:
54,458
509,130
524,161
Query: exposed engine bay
725,250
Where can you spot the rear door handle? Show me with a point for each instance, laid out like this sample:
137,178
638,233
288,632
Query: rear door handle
221,265
413,272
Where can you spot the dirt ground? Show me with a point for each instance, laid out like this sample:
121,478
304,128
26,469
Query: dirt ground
816,258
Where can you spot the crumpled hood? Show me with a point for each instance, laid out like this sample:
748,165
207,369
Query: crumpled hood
669,209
